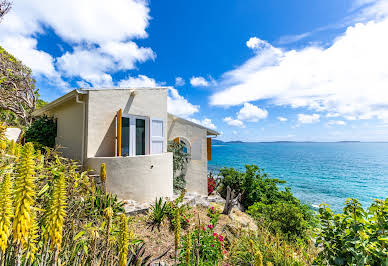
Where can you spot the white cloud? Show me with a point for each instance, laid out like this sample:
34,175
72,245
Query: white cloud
141,81
233,122
178,105
199,82
24,48
282,119
336,122
256,43
308,119
251,113
179,81
101,41
206,122
347,78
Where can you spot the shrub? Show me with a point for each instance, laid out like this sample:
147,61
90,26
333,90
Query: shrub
184,209
292,220
279,209
213,214
211,184
354,237
42,132
254,248
208,244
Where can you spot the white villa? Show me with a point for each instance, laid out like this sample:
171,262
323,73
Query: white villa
128,129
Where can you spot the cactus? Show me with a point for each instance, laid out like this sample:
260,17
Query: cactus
123,240
5,211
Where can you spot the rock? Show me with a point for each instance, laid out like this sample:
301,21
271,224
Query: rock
243,219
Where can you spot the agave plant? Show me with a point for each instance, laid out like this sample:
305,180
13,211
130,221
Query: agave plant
157,213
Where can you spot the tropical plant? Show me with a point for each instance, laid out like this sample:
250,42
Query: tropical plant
356,236
157,213
184,211
213,214
211,184
180,160
202,246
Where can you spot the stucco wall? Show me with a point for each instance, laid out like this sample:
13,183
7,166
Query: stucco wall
103,106
141,178
69,128
196,174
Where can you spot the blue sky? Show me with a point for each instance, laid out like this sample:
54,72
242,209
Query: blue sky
253,70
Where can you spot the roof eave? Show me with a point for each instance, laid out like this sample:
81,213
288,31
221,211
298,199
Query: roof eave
57,102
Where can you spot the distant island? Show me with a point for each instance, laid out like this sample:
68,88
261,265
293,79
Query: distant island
217,141
220,142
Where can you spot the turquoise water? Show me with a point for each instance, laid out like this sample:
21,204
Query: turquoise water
316,172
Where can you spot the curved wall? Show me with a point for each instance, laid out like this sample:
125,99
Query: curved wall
142,178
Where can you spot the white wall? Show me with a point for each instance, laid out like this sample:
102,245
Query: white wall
103,106
141,178
69,117
196,175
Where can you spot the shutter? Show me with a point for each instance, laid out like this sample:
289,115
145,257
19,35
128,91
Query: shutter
196,151
209,149
156,136
176,140
118,132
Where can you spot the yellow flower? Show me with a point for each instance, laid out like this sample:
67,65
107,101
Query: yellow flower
123,240
24,194
5,211
56,212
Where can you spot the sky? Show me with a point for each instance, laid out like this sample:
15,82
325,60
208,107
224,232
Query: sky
296,70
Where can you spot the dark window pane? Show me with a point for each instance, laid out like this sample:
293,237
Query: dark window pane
125,136
140,137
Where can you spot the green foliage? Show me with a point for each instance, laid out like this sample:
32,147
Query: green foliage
253,248
213,214
157,213
99,201
184,211
354,237
294,221
206,243
279,209
180,160
17,87
42,132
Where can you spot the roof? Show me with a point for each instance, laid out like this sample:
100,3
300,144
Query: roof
57,102
75,92
209,131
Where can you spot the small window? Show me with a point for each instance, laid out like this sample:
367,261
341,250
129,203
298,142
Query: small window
186,145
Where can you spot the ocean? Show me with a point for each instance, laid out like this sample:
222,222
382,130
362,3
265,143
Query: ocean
316,172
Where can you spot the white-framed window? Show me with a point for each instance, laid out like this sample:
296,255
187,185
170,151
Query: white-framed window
134,135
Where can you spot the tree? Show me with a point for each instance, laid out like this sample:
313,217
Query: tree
5,7
17,87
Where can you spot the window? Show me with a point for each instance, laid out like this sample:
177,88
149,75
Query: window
134,135
186,145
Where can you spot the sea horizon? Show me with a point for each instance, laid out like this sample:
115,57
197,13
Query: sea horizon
328,172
